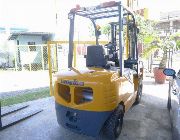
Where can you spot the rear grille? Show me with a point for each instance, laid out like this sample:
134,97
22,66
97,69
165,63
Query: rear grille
83,95
64,92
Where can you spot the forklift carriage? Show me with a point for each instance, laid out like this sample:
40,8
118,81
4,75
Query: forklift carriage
94,99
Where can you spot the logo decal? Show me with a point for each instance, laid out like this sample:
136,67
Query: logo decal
72,82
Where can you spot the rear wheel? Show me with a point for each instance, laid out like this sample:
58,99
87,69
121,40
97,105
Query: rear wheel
139,92
113,126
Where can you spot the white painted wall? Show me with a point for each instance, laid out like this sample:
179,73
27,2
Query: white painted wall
24,39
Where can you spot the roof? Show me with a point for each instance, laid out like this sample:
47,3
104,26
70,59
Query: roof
104,10
13,29
16,34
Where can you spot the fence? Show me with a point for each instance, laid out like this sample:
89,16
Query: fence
156,58
52,56
31,58
35,57
26,57
58,56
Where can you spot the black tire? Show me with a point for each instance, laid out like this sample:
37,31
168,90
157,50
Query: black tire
139,92
113,125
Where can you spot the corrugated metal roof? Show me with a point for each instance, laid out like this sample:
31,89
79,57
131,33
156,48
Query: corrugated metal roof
16,34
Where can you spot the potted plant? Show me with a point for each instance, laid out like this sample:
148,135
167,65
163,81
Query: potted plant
155,43
149,36
159,76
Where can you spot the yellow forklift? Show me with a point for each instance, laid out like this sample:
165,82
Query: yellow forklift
94,99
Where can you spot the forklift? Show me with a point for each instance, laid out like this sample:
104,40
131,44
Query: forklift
94,99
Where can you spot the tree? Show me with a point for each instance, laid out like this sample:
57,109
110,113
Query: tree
106,30
6,51
176,38
154,42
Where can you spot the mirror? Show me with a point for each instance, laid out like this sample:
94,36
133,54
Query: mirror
169,72
138,31
98,33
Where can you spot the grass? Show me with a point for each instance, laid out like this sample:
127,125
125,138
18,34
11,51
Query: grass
25,97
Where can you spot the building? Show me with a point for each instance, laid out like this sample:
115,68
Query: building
30,38
31,49
169,23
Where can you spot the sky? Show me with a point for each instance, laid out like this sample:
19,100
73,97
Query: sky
157,6
32,14
39,15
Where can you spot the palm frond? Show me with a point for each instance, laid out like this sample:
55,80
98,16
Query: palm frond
149,50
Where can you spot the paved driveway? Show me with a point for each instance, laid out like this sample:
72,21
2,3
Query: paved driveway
13,83
147,121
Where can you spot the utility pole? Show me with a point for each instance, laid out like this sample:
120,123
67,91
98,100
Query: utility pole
169,60
56,18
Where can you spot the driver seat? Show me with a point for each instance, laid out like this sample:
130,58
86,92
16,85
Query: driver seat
95,56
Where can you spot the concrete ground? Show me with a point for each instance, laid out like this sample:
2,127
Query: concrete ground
21,80
147,121
13,83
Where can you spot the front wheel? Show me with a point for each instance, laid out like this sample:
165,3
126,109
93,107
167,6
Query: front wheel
113,126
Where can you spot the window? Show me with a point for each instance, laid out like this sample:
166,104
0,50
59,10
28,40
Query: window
32,48
31,43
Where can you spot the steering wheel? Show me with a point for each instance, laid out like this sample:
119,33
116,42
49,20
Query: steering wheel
109,45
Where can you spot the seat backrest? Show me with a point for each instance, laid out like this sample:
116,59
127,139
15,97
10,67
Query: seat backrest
95,57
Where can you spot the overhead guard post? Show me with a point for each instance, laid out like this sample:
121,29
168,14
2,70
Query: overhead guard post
71,37
121,62
96,32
